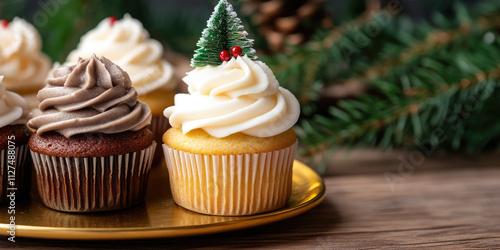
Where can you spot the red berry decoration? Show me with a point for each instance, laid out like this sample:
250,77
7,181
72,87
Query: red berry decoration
4,23
236,51
112,20
224,55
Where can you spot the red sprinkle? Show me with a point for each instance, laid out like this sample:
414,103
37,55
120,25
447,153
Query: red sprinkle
4,23
236,51
224,55
112,20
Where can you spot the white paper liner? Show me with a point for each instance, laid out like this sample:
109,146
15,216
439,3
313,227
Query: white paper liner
94,183
159,125
242,184
22,173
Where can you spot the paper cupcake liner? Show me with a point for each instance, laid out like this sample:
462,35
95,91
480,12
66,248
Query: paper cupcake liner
159,124
242,184
94,183
22,174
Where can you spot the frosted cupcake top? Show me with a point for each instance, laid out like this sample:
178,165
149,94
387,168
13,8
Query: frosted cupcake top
238,96
13,107
229,95
93,96
21,62
127,43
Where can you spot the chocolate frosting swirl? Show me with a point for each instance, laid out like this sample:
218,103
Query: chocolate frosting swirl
93,96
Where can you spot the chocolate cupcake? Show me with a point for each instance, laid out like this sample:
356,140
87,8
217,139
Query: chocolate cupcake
92,149
15,169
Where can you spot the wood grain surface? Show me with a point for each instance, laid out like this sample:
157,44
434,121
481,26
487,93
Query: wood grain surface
452,208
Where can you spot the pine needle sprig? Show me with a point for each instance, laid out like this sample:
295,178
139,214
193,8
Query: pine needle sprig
411,102
354,51
445,32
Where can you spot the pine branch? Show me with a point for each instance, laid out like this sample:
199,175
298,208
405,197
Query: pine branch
433,39
409,103
398,37
353,51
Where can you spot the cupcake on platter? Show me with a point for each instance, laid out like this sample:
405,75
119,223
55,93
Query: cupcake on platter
15,169
22,63
92,149
231,147
127,43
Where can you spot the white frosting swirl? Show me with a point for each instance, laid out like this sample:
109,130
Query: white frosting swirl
21,62
127,43
240,95
13,107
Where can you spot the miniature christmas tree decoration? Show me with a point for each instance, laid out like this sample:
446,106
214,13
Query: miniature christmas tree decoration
223,32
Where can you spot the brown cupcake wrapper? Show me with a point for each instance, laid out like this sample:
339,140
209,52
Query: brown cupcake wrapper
242,184
22,174
159,125
94,183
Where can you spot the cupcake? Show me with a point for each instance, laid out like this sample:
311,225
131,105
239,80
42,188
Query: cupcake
127,43
231,147
15,169
21,62
92,149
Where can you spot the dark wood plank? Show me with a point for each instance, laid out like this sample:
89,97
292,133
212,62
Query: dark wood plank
458,208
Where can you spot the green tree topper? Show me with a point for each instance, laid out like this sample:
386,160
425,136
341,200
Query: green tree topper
224,30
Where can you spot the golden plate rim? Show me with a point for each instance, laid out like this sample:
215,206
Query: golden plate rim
137,233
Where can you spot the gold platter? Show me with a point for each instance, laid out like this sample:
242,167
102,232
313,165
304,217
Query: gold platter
157,217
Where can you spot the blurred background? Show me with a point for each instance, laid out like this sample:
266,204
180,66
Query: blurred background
403,77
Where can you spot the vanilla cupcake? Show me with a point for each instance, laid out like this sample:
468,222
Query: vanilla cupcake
22,63
15,169
127,43
92,148
231,147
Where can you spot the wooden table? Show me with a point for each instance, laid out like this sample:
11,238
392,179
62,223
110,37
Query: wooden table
451,207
